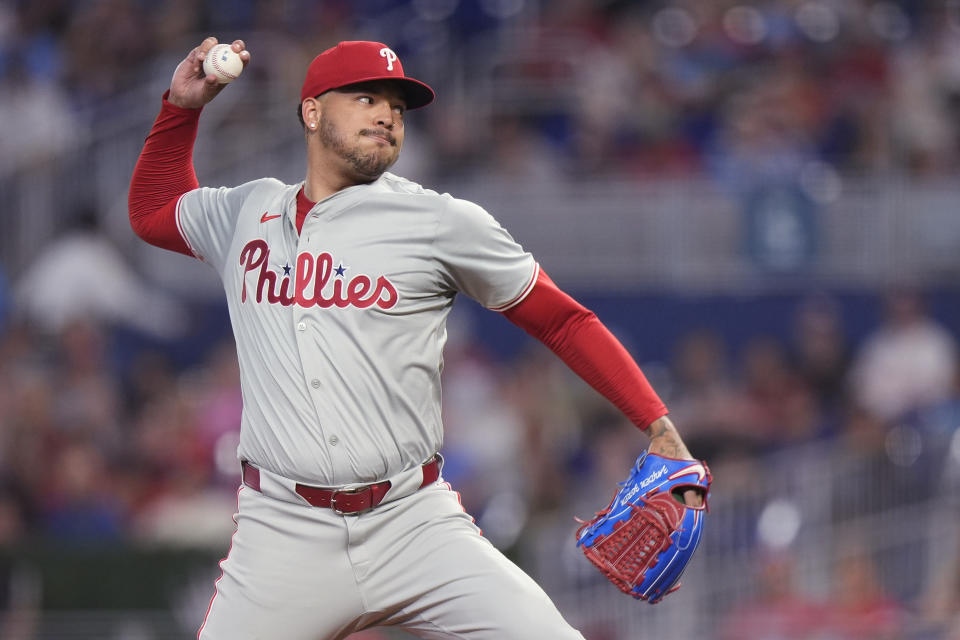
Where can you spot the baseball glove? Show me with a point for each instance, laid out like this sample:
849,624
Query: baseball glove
644,539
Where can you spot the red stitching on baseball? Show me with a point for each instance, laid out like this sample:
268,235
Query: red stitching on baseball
216,65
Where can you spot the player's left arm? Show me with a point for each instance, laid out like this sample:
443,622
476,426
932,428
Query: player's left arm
576,335
479,258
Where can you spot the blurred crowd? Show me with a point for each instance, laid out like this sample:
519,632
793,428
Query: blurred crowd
101,446
106,440
533,89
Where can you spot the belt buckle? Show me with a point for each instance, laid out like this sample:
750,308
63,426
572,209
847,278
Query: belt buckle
336,510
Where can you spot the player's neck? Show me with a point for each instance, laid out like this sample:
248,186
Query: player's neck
327,178
317,189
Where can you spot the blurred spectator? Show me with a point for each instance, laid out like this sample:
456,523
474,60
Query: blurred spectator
764,133
939,603
779,408
4,300
83,275
859,608
924,75
941,420
517,155
483,438
872,475
908,363
557,412
78,505
703,397
182,440
862,432
13,516
28,420
164,437
98,67
778,610
152,377
88,393
191,513
36,122
820,352
217,401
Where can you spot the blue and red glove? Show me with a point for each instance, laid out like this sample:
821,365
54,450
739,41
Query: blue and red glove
645,538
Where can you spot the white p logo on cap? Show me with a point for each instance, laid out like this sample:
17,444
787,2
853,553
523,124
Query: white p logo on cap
391,57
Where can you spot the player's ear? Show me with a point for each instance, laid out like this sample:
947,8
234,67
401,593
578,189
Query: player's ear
310,109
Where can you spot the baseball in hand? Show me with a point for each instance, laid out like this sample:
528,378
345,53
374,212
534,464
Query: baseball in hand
223,62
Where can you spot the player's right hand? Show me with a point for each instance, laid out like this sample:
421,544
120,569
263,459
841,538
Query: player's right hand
190,88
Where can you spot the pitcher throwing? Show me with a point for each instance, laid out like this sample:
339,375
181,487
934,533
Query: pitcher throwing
338,290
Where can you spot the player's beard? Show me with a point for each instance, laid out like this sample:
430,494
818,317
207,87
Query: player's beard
366,165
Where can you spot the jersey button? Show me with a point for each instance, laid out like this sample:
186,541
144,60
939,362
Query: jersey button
333,440
315,383
301,326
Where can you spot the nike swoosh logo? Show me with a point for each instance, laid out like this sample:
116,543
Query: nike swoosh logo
268,216
693,468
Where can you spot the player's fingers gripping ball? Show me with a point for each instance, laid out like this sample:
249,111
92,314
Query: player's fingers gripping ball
223,62
645,538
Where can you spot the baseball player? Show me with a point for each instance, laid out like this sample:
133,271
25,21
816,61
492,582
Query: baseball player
338,290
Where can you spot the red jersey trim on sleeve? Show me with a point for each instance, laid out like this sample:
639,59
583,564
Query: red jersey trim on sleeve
523,294
181,231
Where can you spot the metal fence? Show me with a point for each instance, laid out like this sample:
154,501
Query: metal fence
817,510
820,507
693,232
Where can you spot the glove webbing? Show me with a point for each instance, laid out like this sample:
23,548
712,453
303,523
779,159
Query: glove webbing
632,547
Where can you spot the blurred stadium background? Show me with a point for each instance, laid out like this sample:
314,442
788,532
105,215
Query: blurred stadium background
759,198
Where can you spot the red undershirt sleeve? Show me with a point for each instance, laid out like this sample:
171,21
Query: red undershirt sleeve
163,173
577,336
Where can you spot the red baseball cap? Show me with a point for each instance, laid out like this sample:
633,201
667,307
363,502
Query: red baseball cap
362,61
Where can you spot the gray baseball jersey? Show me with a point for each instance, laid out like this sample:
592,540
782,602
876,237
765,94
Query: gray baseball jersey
340,328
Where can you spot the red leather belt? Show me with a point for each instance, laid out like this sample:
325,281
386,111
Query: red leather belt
344,501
